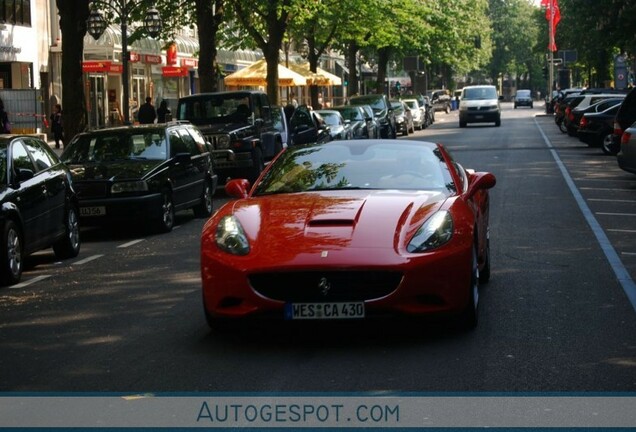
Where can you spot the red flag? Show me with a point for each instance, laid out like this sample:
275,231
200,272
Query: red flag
553,15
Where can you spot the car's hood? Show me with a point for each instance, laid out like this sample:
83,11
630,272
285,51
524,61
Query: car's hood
130,169
334,220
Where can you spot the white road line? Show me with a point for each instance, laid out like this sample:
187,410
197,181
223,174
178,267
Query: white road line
615,214
88,259
130,243
622,230
29,282
629,253
611,200
606,189
629,287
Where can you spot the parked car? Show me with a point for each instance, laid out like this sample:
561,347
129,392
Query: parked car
359,123
560,106
417,112
480,104
307,126
382,112
403,118
596,129
379,227
141,174
338,128
625,116
440,99
523,98
372,122
38,205
627,155
586,103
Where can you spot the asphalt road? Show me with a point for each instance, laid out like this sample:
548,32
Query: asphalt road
126,315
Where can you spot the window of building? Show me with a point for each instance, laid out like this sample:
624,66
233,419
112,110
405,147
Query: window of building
16,12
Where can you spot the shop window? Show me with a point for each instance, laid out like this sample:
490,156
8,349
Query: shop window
16,12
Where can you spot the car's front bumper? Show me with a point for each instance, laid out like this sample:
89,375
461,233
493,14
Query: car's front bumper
126,209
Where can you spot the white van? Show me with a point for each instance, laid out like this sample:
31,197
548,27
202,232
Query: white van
479,104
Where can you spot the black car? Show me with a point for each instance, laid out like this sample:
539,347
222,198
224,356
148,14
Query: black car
596,129
382,111
358,122
38,206
141,173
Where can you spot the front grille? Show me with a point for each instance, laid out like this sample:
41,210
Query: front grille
89,190
219,141
327,286
482,108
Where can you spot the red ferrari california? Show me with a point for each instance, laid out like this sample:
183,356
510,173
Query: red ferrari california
350,230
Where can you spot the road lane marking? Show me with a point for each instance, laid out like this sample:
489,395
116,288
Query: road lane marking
130,243
615,214
612,200
629,287
606,189
29,282
88,259
622,230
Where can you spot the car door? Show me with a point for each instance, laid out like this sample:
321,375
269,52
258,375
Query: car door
185,178
31,196
303,128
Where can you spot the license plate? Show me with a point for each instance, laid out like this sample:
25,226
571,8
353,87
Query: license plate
309,311
93,211
479,117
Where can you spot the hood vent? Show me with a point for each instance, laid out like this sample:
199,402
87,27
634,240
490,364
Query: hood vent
317,223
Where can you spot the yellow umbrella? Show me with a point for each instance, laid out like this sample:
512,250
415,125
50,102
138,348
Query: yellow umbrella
312,78
326,78
256,75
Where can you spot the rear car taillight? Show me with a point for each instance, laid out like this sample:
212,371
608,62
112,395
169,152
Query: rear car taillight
618,131
625,137
583,122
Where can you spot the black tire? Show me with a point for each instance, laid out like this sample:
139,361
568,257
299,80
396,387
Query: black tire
165,223
498,122
607,145
469,317
563,127
206,206
11,254
484,273
69,245
462,124
258,165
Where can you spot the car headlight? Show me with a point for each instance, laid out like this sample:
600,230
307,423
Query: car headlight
230,236
129,186
436,231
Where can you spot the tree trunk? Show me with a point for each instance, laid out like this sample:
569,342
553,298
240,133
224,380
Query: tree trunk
208,22
383,61
352,62
73,16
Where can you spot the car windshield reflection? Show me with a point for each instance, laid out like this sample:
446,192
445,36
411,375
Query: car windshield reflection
149,145
360,165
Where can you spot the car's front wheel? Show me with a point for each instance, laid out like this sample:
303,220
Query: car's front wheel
608,146
11,254
69,245
165,223
205,207
469,316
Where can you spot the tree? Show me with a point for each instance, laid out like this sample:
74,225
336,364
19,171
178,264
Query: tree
73,15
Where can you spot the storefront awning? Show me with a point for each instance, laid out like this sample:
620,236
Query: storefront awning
255,75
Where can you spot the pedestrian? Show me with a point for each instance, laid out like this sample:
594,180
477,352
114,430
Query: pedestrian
293,100
147,113
116,118
163,112
5,125
57,125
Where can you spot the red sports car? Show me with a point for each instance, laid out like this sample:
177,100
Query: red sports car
350,230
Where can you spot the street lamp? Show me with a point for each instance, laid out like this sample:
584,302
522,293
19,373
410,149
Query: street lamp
96,25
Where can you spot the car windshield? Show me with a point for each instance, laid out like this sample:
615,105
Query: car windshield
357,164
411,104
351,113
376,102
215,109
523,94
116,146
332,119
480,93
398,108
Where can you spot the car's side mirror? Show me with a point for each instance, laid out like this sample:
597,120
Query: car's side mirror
237,188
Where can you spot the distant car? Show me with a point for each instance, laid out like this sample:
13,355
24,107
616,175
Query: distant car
38,205
403,117
141,174
523,98
382,112
441,100
357,119
350,230
307,127
587,103
417,112
627,155
480,104
338,128
372,122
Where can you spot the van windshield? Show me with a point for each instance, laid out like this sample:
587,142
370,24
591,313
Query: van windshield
480,93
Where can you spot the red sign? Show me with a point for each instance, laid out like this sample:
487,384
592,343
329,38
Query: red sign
171,54
116,68
189,62
174,71
96,66
152,59
134,57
